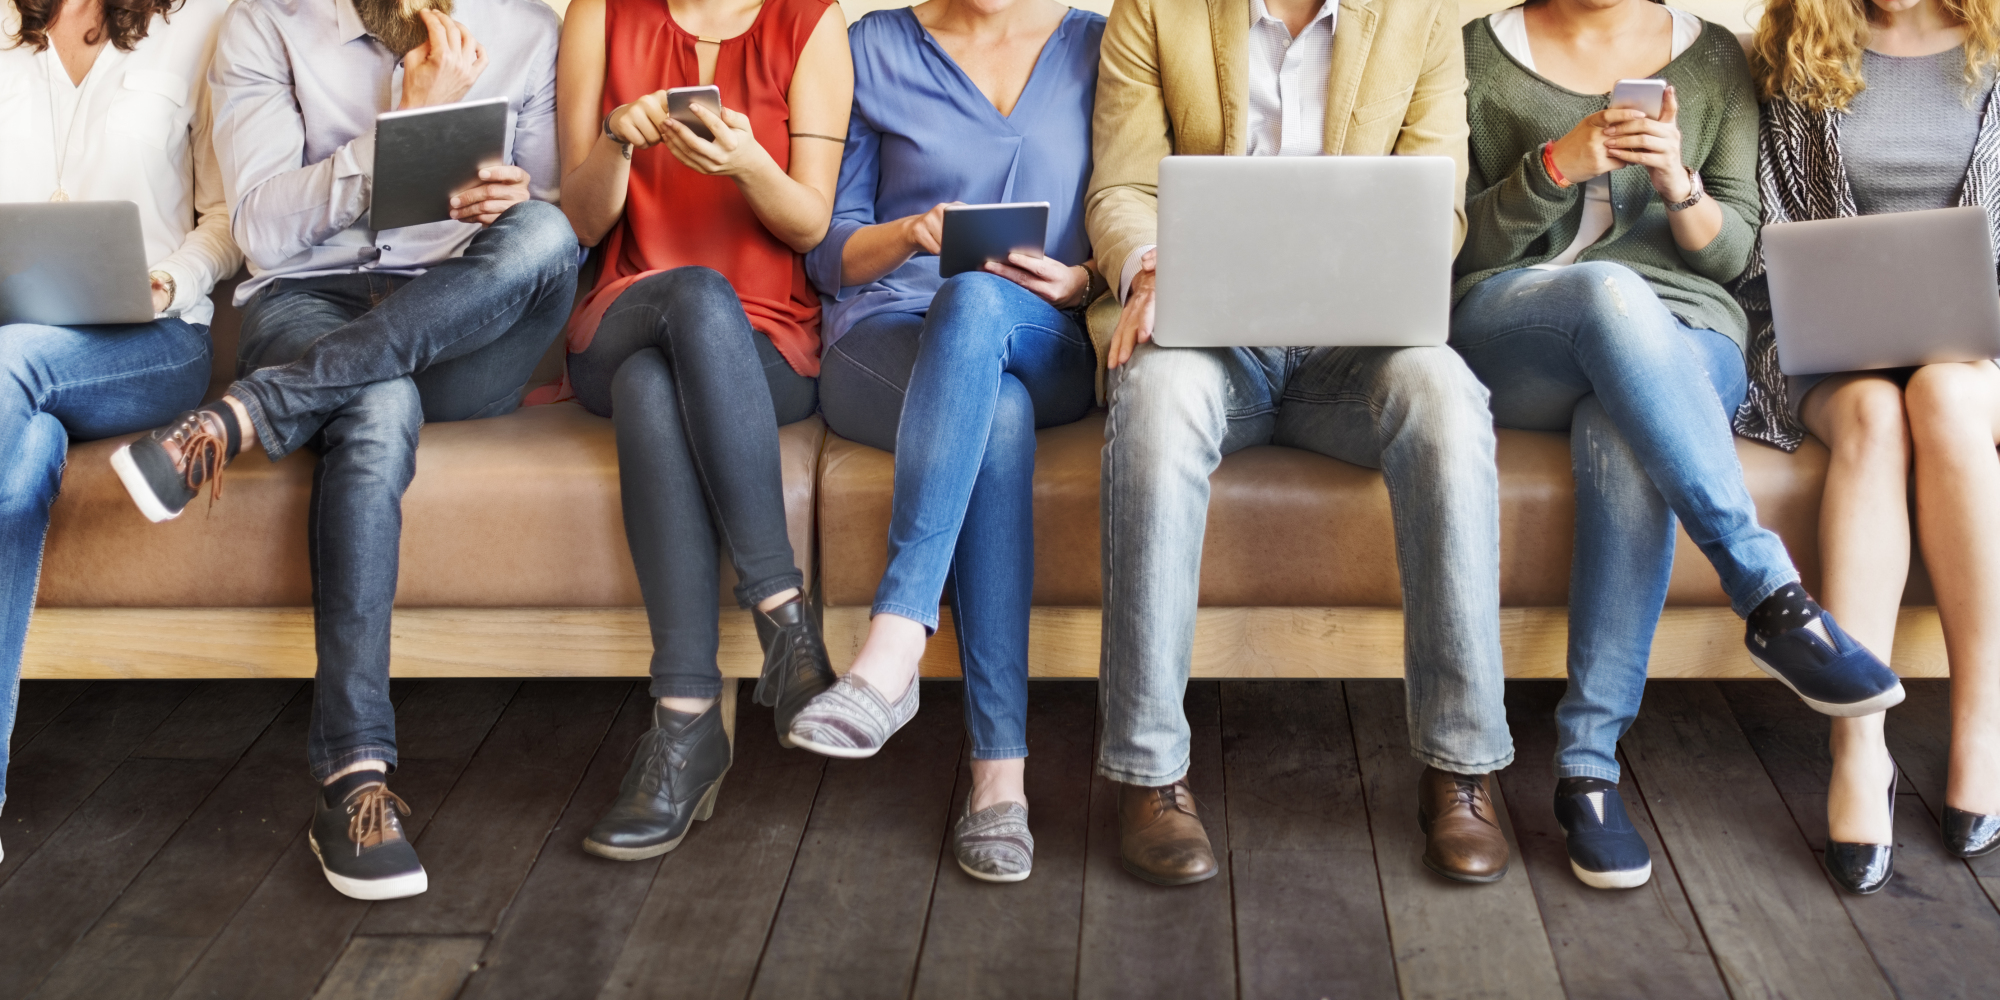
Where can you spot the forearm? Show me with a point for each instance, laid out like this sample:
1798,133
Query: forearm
593,195
1504,220
793,212
1697,227
206,256
874,251
295,210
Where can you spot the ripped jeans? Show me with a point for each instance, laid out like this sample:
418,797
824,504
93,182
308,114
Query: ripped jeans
1646,399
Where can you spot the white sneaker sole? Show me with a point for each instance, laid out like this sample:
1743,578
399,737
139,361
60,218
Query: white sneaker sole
841,753
135,484
371,889
1613,880
1880,703
983,877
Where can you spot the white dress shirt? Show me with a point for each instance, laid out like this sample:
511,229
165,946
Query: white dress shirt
1289,76
297,86
137,130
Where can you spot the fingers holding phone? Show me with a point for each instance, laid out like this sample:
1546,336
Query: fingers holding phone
733,152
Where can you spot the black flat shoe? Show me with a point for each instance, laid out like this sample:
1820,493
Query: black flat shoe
1970,835
796,668
675,775
1863,869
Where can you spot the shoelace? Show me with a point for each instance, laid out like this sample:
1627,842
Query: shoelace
793,644
203,453
1170,799
368,816
1467,792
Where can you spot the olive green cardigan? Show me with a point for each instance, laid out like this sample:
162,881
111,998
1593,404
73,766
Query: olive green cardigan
1516,216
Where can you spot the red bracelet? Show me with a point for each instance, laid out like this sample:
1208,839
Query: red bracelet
1549,164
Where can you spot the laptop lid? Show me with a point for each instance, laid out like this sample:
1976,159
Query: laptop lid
1284,251
1883,291
76,263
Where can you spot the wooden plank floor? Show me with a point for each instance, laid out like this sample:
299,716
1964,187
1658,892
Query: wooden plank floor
154,848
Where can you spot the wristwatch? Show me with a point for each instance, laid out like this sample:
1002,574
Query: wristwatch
1695,193
167,282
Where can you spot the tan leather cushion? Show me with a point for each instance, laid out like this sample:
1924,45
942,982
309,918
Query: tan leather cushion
516,511
1290,528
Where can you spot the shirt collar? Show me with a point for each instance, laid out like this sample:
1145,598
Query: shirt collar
1260,13
348,21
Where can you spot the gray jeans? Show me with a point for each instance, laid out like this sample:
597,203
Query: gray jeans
1418,414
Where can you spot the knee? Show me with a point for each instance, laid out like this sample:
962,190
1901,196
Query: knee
701,298
1013,431
1946,400
378,429
1165,397
1607,297
1432,389
969,310
1870,421
540,232
641,387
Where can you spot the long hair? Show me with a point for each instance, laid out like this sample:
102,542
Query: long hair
1809,51
125,21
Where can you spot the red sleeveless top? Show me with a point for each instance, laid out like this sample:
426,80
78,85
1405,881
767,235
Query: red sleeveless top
675,216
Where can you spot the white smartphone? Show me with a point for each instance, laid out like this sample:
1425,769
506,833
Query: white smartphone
1640,95
679,99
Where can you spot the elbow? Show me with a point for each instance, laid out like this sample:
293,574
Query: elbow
805,241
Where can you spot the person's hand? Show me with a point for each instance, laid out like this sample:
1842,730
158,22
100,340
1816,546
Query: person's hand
1058,284
499,189
925,233
733,152
441,70
636,124
1135,320
161,297
1585,153
1655,145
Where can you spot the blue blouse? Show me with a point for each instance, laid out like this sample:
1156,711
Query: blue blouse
922,133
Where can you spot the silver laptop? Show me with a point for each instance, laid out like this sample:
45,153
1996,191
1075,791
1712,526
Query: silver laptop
1304,251
73,264
1883,291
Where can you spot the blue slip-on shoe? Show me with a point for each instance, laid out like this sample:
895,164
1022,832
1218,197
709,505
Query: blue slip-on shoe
1825,667
1605,849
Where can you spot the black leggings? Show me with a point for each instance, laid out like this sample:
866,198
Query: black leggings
696,397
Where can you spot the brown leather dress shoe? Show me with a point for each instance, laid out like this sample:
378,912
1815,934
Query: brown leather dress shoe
1456,813
1160,837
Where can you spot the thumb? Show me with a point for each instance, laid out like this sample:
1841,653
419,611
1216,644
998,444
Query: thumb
1670,105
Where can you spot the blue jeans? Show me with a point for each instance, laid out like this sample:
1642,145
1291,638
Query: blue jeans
1646,400
352,366
86,383
957,394
1415,413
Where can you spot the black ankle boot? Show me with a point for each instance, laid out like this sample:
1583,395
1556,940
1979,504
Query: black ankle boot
796,668
675,775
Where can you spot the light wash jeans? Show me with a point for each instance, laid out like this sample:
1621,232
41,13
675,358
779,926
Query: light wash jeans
84,382
957,394
1415,413
1646,399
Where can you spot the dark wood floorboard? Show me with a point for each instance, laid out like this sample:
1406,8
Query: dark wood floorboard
1451,939
1776,925
1309,918
290,931
1018,941
155,847
1931,930
1142,940
852,920
1608,944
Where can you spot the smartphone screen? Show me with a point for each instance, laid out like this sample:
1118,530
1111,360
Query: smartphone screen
679,98
1640,95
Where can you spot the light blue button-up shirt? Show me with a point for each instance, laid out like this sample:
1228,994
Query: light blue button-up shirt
297,85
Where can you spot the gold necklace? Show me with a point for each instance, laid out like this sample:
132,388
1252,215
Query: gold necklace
61,153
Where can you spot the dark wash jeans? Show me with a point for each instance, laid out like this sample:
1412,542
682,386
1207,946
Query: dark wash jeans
351,366
696,397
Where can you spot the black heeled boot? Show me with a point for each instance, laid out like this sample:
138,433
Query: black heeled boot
1863,869
796,668
675,776
1970,835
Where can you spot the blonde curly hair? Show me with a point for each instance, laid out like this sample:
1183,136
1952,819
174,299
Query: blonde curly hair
1809,51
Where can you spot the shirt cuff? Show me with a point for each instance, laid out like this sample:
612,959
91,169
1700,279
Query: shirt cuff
186,286
1131,270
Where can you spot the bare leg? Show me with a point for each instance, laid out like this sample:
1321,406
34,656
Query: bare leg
1954,422
997,781
888,659
1864,540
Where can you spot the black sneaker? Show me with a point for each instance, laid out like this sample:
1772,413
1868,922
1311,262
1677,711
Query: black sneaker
1794,640
1605,849
163,484
796,668
675,775
357,833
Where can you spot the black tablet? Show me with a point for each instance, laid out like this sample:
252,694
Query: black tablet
424,154
975,234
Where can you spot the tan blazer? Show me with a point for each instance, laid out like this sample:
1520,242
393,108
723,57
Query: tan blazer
1174,78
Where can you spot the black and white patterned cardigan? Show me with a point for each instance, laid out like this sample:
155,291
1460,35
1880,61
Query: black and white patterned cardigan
1801,177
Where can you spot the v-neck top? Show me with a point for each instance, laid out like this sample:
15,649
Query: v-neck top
922,133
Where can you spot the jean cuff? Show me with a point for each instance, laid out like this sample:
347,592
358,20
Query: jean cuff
750,597
274,447
928,619
685,687
344,759
1770,585
1586,771
999,753
1459,766
1126,777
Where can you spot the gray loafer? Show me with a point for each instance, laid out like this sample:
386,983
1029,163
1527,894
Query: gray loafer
851,719
993,844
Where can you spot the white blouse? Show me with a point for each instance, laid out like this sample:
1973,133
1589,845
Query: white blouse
1510,28
137,130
